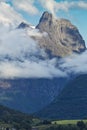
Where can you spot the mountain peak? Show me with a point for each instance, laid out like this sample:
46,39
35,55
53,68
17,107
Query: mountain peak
46,16
45,21
63,37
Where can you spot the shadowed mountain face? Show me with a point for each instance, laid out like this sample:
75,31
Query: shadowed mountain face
62,38
71,102
30,95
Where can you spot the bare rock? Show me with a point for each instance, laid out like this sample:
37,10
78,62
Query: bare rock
63,38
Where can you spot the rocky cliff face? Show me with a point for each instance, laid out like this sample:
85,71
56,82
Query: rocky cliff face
62,38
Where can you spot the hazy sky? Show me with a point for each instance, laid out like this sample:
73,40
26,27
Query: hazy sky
31,10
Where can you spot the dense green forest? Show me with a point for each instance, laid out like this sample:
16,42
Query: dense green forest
13,119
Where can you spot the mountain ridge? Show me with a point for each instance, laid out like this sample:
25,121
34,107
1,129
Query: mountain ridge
71,103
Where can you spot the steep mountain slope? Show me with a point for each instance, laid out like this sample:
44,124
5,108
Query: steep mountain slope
71,103
30,95
62,39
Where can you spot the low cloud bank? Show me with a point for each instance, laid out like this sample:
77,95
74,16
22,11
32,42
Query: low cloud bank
76,64
21,57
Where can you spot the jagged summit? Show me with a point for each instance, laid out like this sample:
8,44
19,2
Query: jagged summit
46,17
48,20
63,37
45,21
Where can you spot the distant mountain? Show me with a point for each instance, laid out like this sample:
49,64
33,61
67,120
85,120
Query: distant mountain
62,38
23,25
71,102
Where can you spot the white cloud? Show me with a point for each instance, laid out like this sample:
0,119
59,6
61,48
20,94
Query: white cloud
16,43
8,16
82,4
9,13
48,5
55,6
75,63
20,56
29,69
26,5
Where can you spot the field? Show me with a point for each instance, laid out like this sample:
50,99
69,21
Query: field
66,122
52,125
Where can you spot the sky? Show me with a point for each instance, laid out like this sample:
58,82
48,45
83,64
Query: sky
19,53
31,11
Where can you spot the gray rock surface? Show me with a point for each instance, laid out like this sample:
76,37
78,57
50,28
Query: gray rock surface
62,38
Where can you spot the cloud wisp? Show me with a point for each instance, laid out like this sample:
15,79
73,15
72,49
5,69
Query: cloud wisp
8,16
54,6
26,6
30,7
